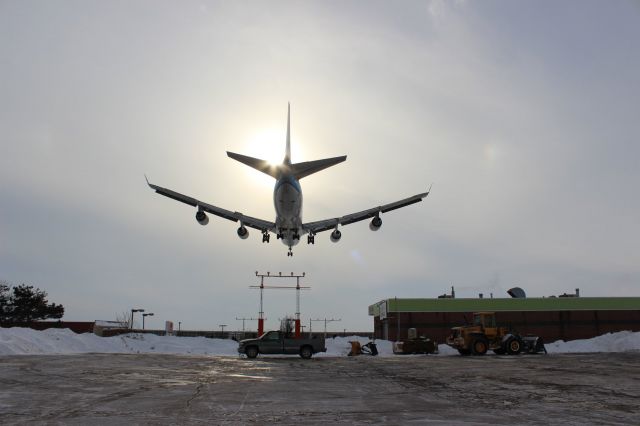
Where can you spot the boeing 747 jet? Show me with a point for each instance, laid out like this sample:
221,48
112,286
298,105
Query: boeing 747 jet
287,199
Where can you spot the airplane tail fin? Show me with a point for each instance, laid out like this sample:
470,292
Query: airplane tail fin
287,154
263,165
299,170
307,168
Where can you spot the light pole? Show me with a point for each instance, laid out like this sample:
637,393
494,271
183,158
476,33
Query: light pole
132,311
150,314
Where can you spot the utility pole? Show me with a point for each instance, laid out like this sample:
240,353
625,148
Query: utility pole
243,320
222,326
326,320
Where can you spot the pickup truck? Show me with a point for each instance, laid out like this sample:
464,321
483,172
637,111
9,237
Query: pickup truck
275,342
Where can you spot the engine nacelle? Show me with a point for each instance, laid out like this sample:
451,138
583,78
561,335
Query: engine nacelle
375,224
335,236
202,218
243,233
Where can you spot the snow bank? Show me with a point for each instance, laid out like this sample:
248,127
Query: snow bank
621,341
25,341
63,341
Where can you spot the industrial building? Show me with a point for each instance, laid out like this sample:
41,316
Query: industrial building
552,318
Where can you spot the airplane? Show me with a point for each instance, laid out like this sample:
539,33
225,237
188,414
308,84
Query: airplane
287,200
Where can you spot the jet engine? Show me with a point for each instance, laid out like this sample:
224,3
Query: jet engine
375,224
243,233
335,236
202,218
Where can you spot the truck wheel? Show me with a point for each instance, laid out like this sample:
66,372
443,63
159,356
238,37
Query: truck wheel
514,346
306,352
479,346
251,352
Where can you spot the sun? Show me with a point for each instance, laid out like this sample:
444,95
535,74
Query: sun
267,145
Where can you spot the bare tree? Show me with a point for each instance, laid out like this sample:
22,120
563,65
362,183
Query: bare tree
124,319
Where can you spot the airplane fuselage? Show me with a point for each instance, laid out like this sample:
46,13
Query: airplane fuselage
287,200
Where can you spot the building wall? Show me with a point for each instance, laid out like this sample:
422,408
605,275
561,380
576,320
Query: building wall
550,325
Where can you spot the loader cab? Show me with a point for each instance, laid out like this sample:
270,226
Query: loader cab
487,322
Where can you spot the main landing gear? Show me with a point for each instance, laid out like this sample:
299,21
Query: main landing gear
311,239
265,236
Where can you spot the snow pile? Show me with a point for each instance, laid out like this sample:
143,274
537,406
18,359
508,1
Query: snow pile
23,341
64,341
621,341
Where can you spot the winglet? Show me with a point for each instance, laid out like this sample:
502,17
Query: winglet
429,190
147,179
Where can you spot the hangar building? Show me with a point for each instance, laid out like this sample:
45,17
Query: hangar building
552,318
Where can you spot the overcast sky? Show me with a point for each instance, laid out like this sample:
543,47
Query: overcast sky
524,116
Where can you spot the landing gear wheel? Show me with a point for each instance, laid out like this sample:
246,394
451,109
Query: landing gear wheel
265,237
290,252
251,352
311,239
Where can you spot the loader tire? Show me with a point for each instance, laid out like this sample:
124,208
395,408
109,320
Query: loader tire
479,346
513,346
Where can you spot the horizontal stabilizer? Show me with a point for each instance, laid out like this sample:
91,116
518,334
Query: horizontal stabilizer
307,168
263,165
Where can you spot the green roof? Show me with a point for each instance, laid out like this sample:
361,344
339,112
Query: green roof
512,304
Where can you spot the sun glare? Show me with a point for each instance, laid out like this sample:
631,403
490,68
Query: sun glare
267,145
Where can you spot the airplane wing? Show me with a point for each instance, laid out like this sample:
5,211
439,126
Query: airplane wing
325,225
252,222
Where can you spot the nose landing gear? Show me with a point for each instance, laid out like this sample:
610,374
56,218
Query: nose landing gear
290,252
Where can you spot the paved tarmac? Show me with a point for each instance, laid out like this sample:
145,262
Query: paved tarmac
580,389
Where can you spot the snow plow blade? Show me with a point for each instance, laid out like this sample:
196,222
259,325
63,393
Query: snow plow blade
533,345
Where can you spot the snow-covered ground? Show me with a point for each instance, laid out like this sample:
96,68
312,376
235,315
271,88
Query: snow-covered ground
25,341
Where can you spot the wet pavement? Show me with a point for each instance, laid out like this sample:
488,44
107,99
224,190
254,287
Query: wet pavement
574,389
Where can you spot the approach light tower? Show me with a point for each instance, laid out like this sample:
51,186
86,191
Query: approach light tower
262,287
